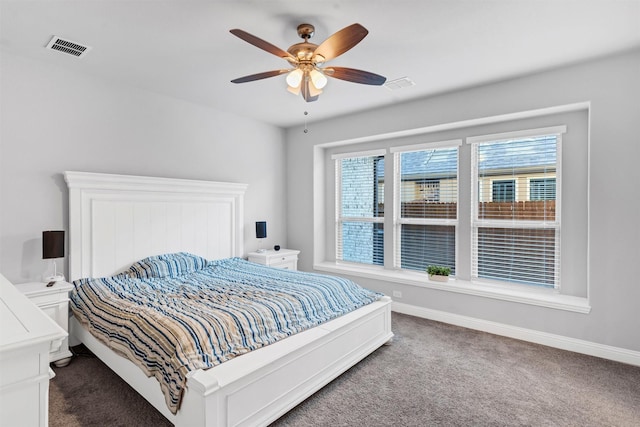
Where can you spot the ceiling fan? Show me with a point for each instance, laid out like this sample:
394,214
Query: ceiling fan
308,76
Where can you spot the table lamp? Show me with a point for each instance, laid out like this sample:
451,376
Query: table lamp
261,231
52,248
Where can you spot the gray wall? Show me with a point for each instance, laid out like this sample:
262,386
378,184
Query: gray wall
612,86
54,119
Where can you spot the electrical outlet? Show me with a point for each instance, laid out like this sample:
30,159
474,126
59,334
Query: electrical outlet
397,294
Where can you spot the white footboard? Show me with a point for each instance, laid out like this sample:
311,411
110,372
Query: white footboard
258,387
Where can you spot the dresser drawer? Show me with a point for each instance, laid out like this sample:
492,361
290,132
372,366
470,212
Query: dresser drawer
17,366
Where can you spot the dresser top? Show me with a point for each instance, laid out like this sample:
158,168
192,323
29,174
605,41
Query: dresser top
22,323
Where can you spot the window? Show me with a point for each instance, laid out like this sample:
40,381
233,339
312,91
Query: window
542,189
516,234
429,190
427,201
513,244
360,208
504,190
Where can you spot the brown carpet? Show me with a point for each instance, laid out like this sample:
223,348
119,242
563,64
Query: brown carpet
433,374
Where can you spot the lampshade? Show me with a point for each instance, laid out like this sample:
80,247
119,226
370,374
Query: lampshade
52,244
294,90
314,91
295,78
313,80
261,229
319,80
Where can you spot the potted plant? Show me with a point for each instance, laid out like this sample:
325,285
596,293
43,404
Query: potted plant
438,273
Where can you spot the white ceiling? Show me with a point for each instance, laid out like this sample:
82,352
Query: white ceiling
184,49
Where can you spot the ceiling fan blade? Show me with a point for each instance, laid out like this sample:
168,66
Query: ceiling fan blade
355,76
264,45
259,76
340,42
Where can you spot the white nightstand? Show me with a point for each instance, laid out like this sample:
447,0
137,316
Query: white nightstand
54,301
284,258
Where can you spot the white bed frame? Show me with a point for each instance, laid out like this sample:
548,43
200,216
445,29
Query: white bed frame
115,220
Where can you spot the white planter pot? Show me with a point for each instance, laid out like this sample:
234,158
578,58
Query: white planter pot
438,278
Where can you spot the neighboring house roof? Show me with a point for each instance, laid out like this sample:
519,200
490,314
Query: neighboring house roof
526,153
532,153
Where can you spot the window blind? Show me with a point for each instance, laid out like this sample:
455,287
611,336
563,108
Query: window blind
360,209
516,232
424,245
542,189
427,200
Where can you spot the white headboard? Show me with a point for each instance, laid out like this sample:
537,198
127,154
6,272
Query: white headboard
115,220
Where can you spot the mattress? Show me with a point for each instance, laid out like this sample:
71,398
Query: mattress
176,313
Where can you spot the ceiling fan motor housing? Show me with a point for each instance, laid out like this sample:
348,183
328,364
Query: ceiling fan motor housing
303,51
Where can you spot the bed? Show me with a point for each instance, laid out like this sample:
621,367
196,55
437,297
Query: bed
116,220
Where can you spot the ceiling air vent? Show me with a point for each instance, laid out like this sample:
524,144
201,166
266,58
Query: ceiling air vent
399,83
67,46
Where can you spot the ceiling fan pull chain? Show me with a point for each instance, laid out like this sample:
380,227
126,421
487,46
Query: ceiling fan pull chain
305,122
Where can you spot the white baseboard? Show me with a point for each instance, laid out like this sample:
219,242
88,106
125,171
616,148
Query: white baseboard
558,341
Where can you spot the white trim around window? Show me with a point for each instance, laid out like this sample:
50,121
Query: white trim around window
427,235
512,293
426,146
529,133
504,238
550,298
369,153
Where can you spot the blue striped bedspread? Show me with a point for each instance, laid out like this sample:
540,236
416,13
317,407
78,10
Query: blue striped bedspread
173,325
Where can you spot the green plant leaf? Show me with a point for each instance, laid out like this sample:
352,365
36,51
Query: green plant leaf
438,270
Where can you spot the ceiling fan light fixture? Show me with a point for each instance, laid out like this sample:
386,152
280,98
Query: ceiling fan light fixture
294,90
313,90
294,78
318,79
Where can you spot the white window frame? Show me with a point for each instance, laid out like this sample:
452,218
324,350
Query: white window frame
530,180
398,221
429,190
477,223
323,259
339,219
515,187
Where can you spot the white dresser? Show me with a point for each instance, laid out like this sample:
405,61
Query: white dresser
27,336
284,258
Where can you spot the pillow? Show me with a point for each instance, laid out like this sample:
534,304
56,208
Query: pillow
167,265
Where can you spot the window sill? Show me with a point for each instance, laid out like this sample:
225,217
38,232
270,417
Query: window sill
521,294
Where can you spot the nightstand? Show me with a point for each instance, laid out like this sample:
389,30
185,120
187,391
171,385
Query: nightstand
284,258
54,301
